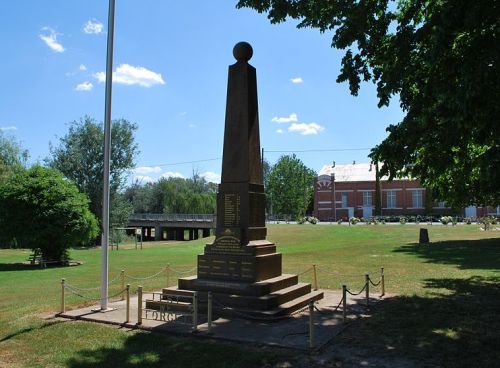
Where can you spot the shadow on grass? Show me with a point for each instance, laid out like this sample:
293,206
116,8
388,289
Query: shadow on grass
143,349
29,329
457,326
466,254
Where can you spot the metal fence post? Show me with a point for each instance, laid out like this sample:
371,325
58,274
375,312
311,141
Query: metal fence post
367,285
344,301
195,311
167,273
127,313
209,312
63,301
139,305
382,281
315,277
122,276
311,324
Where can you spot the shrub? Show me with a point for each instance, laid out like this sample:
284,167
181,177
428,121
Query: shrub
41,209
445,220
339,221
353,220
402,220
468,220
312,220
301,220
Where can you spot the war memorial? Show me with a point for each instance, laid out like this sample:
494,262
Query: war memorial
241,267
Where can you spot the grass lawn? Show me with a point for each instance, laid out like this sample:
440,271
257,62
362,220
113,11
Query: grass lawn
445,312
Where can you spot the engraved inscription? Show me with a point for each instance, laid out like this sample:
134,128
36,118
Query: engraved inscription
231,210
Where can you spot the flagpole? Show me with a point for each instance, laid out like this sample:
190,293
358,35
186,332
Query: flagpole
107,155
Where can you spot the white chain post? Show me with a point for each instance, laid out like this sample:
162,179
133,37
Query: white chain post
195,311
311,325
382,280
127,316
344,301
367,283
209,312
63,301
139,305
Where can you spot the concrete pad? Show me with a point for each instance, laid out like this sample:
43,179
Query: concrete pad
292,332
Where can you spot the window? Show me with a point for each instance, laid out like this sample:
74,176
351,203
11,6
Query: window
441,204
367,199
416,198
344,200
391,199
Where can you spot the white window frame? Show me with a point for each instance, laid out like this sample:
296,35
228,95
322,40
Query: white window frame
367,199
391,199
343,197
417,199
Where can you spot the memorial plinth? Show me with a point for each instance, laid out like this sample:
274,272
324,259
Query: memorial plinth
241,267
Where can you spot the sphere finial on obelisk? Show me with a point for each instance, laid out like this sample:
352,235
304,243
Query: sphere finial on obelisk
242,51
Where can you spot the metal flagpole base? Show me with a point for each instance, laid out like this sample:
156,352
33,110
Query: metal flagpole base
103,310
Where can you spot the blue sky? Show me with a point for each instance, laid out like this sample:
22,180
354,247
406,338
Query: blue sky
170,62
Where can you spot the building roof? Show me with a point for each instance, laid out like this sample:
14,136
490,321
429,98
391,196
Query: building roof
351,172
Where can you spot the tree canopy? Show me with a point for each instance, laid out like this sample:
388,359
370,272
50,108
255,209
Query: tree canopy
39,208
79,156
441,58
290,186
173,195
12,155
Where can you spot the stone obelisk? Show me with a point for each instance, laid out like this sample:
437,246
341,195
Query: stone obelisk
240,250
240,266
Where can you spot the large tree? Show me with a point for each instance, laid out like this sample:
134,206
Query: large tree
441,59
79,156
41,209
290,186
12,155
173,195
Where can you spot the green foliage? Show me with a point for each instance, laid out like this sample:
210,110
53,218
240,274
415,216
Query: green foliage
174,195
12,155
441,60
290,186
41,209
79,156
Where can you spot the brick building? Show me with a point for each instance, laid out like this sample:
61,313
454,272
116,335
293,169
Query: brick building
345,191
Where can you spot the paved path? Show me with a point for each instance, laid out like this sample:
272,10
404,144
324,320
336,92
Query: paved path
292,332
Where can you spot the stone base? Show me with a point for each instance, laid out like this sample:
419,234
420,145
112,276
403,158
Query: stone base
275,297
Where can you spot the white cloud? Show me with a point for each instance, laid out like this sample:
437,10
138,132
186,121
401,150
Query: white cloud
50,39
211,177
143,179
130,75
284,120
279,131
85,86
147,170
171,174
297,80
93,27
7,128
82,67
306,129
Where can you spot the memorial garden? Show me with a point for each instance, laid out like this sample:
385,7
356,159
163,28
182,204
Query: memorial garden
442,309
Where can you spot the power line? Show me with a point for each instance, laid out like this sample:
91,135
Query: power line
320,150
266,151
186,162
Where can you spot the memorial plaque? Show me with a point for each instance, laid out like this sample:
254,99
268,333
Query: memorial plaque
231,213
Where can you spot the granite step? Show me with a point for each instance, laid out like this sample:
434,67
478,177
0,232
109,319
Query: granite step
264,302
281,311
258,288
